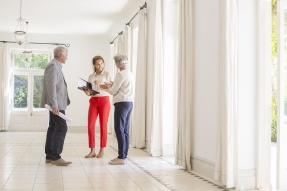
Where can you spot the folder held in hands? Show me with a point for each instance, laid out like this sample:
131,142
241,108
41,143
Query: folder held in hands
84,85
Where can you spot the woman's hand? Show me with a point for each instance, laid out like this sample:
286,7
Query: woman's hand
88,92
104,86
111,84
97,83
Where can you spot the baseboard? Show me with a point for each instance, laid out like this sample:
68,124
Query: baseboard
78,129
81,129
20,130
72,129
246,179
203,166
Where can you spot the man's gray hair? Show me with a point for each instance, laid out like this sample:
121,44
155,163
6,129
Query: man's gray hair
121,60
59,50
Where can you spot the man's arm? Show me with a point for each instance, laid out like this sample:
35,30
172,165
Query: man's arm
51,83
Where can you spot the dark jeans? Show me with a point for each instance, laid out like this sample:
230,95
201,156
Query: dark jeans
56,134
122,126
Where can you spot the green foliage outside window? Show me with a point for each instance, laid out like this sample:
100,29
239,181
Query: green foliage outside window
274,70
38,88
37,61
274,73
20,91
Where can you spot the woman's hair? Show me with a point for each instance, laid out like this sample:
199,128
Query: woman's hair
59,50
121,60
94,61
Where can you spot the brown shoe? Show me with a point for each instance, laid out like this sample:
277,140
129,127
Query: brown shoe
117,162
115,159
90,156
48,160
60,162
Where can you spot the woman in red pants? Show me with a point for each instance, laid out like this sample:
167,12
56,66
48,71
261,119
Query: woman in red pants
99,105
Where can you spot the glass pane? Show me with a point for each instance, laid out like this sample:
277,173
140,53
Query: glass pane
39,61
20,91
20,62
35,61
37,91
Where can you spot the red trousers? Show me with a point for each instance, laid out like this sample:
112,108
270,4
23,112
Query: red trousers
98,106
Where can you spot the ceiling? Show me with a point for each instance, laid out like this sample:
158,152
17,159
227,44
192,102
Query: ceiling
89,17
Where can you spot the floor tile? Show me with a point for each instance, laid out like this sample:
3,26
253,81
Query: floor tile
17,186
23,167
50,186
77,185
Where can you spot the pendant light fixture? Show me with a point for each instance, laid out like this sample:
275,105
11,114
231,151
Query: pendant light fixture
20,33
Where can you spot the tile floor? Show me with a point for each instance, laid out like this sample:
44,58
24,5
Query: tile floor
23,167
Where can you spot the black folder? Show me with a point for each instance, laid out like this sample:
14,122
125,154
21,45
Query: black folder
84,85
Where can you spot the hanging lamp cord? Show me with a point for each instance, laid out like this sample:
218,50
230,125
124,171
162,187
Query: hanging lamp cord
26,29
20,8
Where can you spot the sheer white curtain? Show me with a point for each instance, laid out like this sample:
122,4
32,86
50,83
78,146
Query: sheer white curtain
226,159
120,44
119,48
139,111
111,70
264,96
5,94
116,48
127,51
156,70
185,84
128,41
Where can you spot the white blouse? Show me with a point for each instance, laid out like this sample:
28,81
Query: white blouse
123,87
101,78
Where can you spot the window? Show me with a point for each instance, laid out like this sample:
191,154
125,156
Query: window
37,61
28,79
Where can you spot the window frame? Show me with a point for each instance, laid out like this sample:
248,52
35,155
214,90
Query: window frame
30,73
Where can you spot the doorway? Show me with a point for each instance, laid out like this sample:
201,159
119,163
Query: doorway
27,85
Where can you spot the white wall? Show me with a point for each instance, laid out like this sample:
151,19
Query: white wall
247,79
206,18
169,17
81,51
247,93
206,81
206,66
80,57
